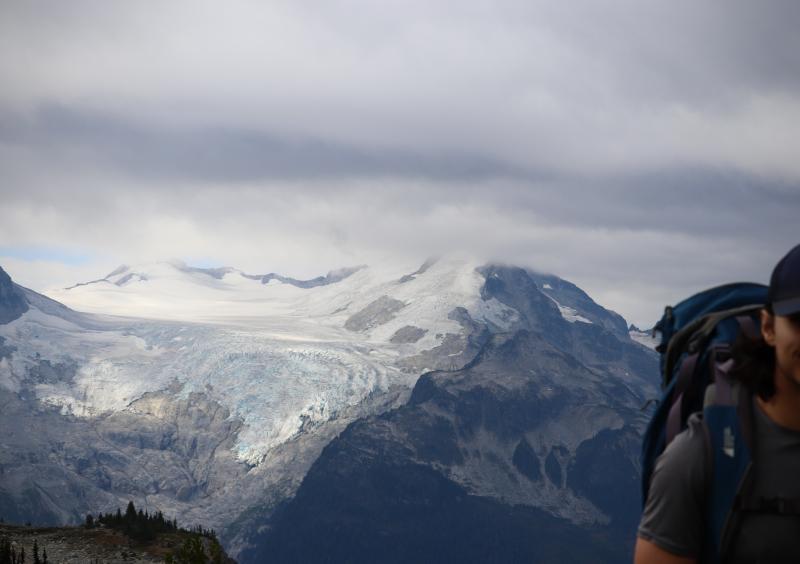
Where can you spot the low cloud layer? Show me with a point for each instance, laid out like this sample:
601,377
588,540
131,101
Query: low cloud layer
643,151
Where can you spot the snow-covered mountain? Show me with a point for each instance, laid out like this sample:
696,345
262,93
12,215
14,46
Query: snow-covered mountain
208,393
396,294
528,454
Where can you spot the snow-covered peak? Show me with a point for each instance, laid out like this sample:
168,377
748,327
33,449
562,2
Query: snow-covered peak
375,301
387,301
172,269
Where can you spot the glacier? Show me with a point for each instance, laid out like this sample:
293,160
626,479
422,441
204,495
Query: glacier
278,357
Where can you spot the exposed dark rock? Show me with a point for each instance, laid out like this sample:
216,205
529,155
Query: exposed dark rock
119,270
605,470
515,288
552,468
526,461
408,334
130,276
331,278
353,508
421,270
218,273
12,299
568,294
455,350
377,313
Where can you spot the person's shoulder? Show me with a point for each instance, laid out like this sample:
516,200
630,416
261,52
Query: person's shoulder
688,453
675,507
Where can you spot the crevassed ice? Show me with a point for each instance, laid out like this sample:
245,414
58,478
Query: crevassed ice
272,385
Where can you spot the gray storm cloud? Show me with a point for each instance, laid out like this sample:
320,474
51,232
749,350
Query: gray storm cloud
643,150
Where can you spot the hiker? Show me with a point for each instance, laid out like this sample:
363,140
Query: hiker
764,523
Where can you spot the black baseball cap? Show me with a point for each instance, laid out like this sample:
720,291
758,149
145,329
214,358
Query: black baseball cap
784,286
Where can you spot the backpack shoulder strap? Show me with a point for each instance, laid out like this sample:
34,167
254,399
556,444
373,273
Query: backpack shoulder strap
728,420
775,505
695,335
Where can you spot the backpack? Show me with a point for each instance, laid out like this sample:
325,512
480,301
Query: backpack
695,348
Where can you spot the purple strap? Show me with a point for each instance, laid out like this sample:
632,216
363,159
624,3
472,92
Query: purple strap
748,327
674,420
685,374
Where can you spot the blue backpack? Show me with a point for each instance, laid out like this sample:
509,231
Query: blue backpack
696,340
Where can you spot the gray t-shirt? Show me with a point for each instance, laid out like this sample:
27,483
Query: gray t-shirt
674,517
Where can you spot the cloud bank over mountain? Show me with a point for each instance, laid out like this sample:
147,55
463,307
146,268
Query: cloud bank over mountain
644,151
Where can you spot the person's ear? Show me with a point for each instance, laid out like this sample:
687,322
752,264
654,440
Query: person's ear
768,327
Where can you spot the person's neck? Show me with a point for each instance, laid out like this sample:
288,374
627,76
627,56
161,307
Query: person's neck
783,407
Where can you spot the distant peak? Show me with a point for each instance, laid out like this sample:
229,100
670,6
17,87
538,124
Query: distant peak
421,270
331,278
215,272
119,270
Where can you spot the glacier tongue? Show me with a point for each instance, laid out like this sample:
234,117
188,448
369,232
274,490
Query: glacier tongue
274,386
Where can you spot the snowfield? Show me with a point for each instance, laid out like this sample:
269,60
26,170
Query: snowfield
277,356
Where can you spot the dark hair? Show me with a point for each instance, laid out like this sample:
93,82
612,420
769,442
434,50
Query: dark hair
754,364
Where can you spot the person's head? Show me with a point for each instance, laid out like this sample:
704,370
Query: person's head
777,354
780,324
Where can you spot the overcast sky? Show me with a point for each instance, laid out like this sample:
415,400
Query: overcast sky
642,150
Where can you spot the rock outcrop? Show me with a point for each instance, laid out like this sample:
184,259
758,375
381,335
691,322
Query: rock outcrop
12,299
